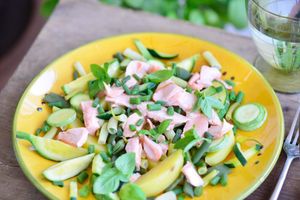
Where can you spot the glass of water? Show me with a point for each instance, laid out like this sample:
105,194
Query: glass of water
275,29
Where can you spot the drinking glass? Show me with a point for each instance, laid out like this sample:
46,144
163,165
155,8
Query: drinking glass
275,29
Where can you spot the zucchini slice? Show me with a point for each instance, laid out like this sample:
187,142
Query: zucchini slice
214,158
239,154
218,144
189,63
69,168
248,154
78,85
144,51
250,116
62,117
161,55
77,99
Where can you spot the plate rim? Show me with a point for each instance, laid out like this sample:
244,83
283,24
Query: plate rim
252,187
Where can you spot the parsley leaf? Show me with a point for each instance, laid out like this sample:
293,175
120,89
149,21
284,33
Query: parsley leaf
56,100
190,139
107,182
160,76
132,192
126,164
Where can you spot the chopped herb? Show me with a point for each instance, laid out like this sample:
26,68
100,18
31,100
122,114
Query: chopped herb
161,102
137,78
189,90
119,132
177,135
58,183
219,89
153,107
132,127
230,82
177,109
91,148
145,98
95,102
126,89
170,111
118,83
125,79
145,80
100,109
139,122
163,126
135,90
109,148
118,147
138,112
84,191
105,116
56,100
135,100
232,96
104,156
82,177
119,56
38,132
128,111
239,97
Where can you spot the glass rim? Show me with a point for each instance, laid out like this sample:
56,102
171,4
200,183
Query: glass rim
272,13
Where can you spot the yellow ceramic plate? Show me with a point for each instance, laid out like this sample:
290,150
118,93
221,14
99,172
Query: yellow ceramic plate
242,180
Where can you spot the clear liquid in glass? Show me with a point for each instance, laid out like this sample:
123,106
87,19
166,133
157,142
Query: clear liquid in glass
277,36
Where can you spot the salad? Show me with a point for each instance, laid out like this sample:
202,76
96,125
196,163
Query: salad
137,127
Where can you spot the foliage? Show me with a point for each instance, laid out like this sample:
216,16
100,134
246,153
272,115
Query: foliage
215,13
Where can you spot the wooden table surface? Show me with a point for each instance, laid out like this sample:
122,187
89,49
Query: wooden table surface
76,22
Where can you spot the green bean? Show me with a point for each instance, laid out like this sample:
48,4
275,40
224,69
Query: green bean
132,127
224,179
135,100
153,107
161,102
198,191
170,111
232,96
177,190
91,148
96,102
82,177
215,180
239,97
118,147
176,182
202,149
139,122
188,189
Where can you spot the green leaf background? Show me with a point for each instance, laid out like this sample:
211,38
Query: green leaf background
200,12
